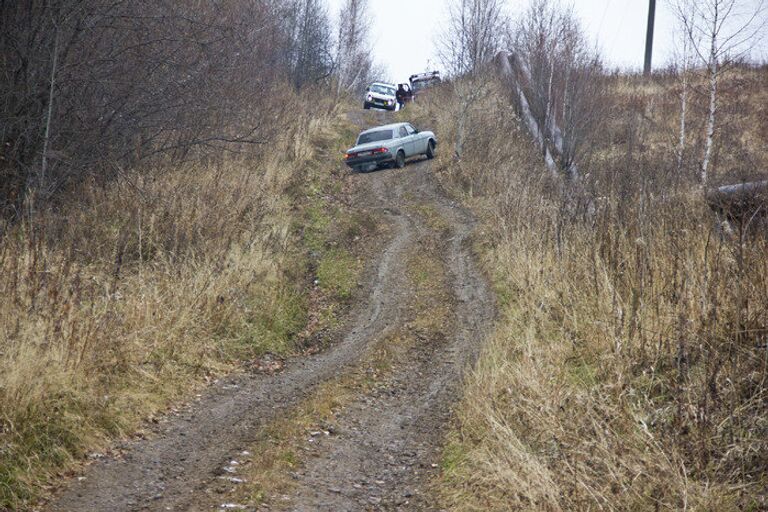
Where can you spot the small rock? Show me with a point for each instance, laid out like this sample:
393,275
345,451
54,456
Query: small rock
233,479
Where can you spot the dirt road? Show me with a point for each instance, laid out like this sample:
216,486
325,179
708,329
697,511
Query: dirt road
422,288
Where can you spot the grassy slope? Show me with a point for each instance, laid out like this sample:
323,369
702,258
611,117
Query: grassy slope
626,371
141,291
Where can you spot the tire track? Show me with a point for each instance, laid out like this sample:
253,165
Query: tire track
388,442
164,472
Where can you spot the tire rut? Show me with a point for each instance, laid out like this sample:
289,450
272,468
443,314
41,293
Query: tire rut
388,443
389,439
162,473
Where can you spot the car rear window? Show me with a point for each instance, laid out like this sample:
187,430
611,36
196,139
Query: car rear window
376,136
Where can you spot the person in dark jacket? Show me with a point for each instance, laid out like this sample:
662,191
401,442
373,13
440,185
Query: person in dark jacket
401,95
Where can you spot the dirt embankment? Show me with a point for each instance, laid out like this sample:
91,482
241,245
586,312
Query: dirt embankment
384,445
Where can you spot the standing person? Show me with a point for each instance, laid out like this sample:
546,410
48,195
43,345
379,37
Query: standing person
400,96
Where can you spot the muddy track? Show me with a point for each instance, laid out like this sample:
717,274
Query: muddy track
387,445
388,441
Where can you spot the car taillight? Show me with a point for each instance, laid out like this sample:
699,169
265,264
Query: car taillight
347,156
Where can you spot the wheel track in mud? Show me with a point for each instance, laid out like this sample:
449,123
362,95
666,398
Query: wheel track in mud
388,443
169,470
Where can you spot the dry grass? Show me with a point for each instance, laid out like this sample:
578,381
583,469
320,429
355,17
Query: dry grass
141,289
628,370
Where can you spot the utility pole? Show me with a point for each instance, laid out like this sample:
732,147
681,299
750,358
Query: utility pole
649,37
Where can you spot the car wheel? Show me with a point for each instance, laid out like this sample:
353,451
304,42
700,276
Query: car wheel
400,159
430,150
366,106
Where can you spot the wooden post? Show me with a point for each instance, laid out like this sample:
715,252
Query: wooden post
649,37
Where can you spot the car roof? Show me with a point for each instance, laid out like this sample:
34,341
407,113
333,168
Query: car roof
385,84
384,127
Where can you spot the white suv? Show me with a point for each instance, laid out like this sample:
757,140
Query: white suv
380,95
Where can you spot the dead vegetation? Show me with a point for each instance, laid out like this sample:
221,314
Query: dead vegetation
628,370
164,208
158,282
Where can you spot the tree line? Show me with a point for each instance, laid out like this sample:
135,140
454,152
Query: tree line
561,77
89,88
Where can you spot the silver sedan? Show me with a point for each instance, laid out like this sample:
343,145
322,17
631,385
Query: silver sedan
389,145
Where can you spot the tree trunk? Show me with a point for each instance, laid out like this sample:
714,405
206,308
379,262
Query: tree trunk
714,70
683,113
49,114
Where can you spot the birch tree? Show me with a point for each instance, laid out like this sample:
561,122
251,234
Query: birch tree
473,35
353,54
684,63
718,32
560,77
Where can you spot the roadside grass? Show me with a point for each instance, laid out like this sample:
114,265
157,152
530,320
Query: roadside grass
138,292
626,370
337,273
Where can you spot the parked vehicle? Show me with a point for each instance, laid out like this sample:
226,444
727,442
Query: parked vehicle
380,95
422,81
389,145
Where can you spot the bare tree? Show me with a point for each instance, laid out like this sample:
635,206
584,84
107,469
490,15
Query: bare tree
88,87
559,76
353,54
473,35
684,62
719,31
311,51
469,43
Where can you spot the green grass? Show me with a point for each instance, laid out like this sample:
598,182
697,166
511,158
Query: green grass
275,321
454,454
337,273
582,373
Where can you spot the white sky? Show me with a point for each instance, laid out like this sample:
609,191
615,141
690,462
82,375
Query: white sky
404,31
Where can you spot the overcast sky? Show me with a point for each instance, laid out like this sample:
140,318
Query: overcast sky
404,31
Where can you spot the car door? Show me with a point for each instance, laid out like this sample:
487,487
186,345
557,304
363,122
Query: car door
407,141
416,140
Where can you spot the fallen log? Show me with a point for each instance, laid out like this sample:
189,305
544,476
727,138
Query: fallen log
516,71
504,65
740,199
741,205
